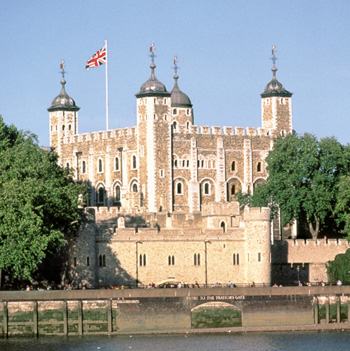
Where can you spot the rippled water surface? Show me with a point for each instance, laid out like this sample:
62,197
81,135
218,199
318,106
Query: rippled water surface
247,342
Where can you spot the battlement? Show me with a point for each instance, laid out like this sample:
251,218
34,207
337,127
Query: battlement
215,130
256,213
100,135
317,243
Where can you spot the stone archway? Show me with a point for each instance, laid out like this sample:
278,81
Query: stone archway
216,315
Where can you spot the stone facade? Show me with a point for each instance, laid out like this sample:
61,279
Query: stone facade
179,181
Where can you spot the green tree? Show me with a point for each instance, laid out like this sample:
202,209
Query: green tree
38,203
342,208
303,173
339,268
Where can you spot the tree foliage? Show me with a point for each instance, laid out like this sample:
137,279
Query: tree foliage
339,268
38,203
303,177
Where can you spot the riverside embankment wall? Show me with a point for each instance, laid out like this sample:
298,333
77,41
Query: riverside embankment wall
173,310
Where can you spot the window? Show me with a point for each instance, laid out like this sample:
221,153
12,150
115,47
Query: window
74,261
63,127
116,164
174,111
83,167
206,188
67,166
88,261
100,166
258,167
197,259
233,189
259,256
235,259
179,188
171,260
174,125
102,260
175,163
233,166
142,260
134,188
100,195
69,127
161,173
188,163
134,164
188,125
117,193
223,226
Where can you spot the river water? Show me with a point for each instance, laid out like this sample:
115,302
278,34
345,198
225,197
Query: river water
330,341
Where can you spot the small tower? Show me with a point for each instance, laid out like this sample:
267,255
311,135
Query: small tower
154,143
276,104
63,114
181,106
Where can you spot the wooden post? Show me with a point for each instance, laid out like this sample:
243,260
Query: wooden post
109,316
316,312
80,317
5,319
35,319
338,309
65,317
327,311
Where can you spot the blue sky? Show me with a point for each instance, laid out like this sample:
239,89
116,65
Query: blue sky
223,47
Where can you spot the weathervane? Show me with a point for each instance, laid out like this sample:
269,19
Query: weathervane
176,67
274,59
62,69
152,50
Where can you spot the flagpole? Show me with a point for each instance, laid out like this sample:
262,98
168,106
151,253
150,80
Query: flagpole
106,71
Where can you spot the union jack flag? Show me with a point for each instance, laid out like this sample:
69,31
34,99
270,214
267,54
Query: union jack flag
97,59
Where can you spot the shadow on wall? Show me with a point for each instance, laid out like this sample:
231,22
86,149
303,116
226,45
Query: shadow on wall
284,273
93,260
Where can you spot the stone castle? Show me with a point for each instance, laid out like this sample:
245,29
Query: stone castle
162,194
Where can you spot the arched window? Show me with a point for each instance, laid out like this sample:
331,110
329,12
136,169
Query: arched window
134,188
83,167
179,188
116,164
117,193
206,188
223,226
134,164
174,125
67,166
174,111
258,167
100,195
233,166
100,166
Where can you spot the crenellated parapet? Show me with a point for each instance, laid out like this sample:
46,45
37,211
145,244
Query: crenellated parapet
101,136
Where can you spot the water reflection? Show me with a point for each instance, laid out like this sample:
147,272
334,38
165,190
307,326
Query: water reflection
234,342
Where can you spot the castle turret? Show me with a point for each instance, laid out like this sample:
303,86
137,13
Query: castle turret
63,114
154,143
181,106
276,104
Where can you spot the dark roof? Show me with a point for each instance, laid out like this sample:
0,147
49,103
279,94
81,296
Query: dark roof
152,87
63,102
178,97
275,88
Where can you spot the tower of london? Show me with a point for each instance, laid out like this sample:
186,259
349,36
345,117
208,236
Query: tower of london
163,192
